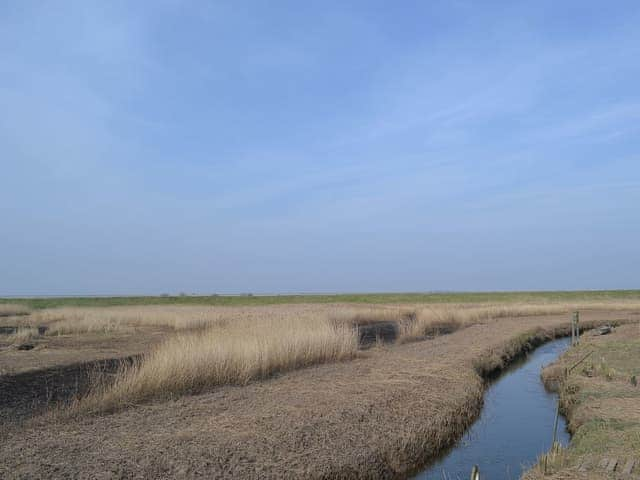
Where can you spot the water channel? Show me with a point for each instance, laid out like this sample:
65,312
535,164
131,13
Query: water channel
514,428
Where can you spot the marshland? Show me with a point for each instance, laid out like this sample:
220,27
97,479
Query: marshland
319,240
368,389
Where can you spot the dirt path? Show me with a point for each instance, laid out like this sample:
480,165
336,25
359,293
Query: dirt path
375,417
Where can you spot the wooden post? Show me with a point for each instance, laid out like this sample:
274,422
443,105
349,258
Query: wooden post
573,331
555,426
475,473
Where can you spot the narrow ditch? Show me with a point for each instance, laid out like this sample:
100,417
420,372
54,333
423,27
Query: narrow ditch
514,427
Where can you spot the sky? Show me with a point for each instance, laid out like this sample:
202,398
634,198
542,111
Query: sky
275,147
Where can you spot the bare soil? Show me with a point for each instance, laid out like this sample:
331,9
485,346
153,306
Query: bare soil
379,416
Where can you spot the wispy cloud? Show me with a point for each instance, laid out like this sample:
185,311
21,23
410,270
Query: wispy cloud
215,134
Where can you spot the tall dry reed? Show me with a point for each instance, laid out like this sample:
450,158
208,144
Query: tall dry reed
448,318
10,309
233,345
229,354
23,334
68,320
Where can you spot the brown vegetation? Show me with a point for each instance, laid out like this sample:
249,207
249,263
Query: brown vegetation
69,320
230,353
380,415
9,309
23,334
235,351
227,345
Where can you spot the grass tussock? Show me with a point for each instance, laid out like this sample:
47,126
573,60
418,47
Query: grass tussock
10,310
548,463
22,335
226,354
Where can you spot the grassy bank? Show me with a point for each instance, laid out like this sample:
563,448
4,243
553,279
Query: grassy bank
374,298
601,399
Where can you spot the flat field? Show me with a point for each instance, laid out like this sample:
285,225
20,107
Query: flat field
137,388
366,298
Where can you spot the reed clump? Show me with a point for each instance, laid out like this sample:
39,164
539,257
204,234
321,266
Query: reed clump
10,310
234,353
447,319
22,335
548,463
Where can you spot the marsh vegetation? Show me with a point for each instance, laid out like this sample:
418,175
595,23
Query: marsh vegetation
404,397
213,346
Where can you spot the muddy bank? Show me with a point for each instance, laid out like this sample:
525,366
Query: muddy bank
379,416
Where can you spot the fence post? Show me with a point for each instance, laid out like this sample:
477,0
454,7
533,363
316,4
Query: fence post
475,473
573,331
555,426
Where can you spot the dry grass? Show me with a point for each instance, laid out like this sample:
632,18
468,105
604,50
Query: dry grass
9,310
379,417
84,322
416,322
446,319
601,401
23,335
232,353
95,319
552,461
233,345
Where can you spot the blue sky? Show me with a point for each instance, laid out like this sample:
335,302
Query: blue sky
150,147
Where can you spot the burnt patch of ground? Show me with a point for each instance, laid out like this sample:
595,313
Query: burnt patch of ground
51,351
56,369
377,332
33,392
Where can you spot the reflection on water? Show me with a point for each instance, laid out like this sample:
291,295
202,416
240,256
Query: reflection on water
515,427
